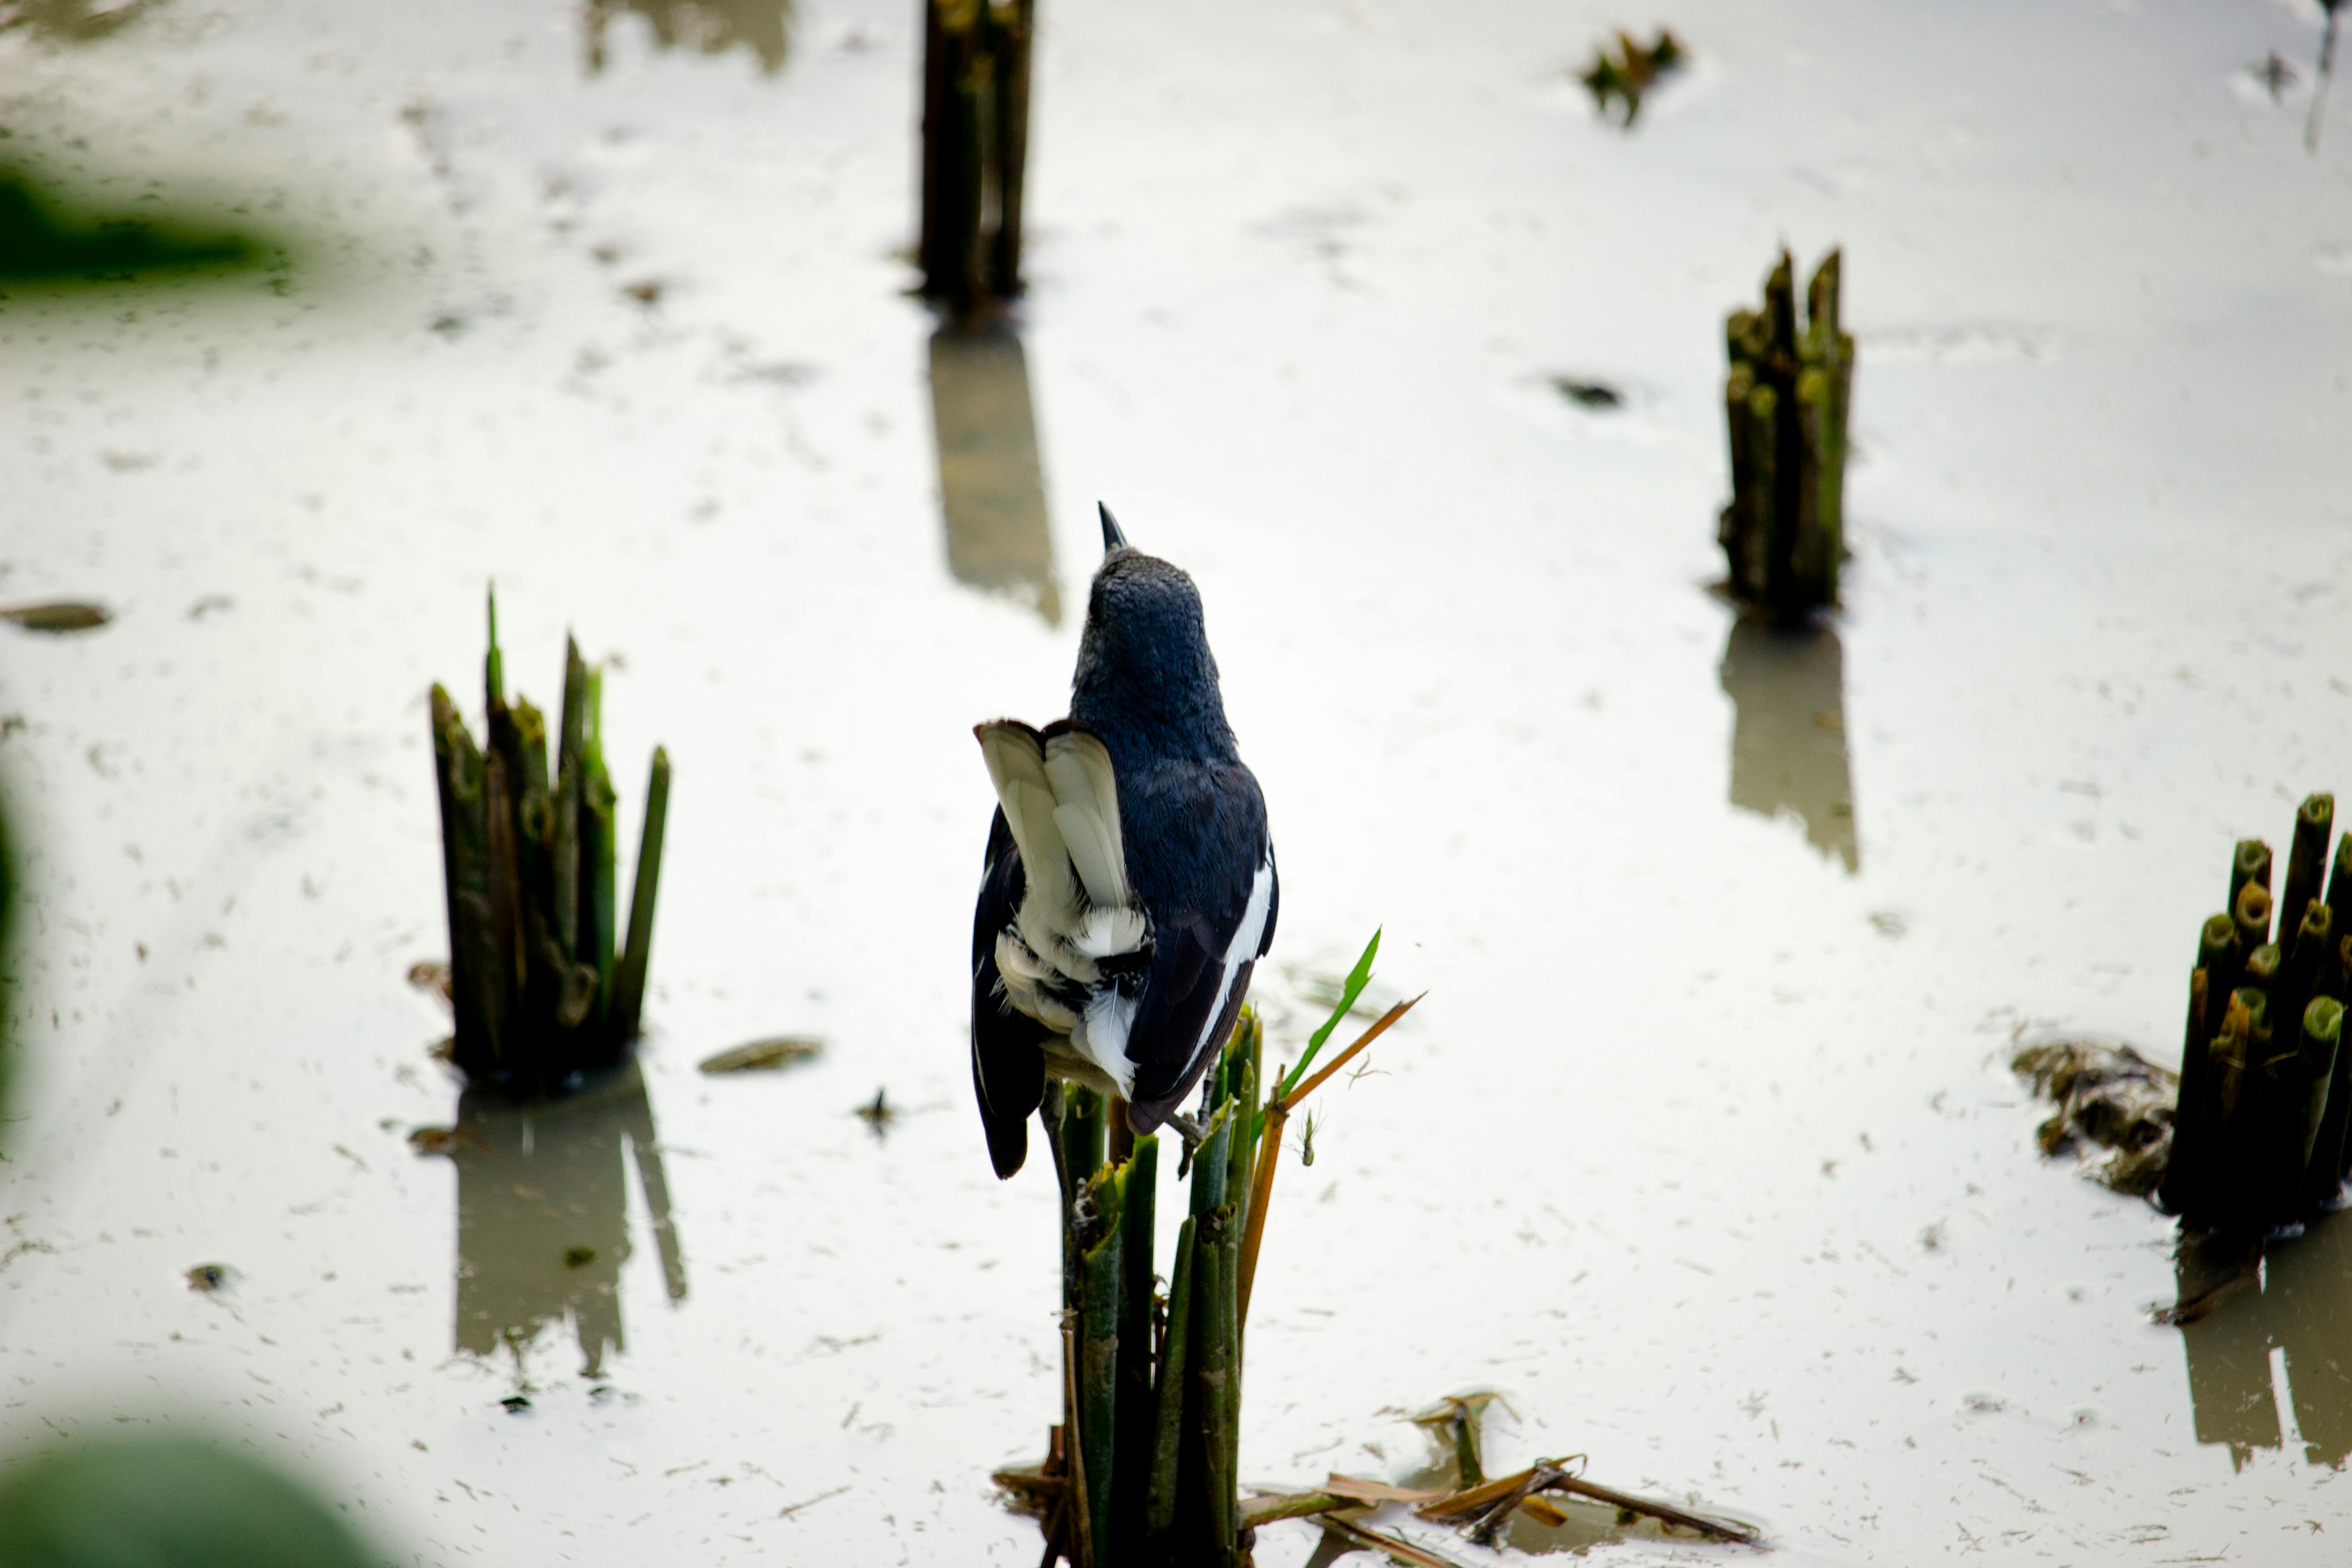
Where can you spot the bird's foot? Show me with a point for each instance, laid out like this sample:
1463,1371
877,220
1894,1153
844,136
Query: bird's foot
1191,1133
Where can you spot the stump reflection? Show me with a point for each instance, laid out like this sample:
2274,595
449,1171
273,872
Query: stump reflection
992,487
707,26
1788,738
542,1214
2299,1309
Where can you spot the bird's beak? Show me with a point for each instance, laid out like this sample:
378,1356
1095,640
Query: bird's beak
1112,538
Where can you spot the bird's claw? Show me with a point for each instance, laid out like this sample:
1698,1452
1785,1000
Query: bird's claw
1191,1133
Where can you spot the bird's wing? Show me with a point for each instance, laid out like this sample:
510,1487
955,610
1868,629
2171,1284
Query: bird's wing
1211,864
1015,754
1085,792
1008,1062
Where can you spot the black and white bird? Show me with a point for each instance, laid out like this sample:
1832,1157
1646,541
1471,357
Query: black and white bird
1130,882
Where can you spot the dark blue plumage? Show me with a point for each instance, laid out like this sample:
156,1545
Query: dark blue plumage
1124,959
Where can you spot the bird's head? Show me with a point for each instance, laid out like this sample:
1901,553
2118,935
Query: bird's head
1146,680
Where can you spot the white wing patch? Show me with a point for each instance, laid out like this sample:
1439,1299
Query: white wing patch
1248,937
1061,801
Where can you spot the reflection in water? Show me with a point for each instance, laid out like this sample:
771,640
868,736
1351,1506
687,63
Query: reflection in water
2305,1299
1788,737
2326,73
991,489
710,27
542,1214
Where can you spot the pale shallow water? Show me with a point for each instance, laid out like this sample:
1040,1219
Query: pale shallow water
1702,1149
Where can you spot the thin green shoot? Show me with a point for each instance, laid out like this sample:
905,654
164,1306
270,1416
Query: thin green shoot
1357,978
497,670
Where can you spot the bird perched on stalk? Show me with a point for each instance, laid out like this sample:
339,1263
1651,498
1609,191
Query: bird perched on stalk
1130,882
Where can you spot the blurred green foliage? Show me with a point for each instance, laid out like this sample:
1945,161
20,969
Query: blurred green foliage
167,1502
43,237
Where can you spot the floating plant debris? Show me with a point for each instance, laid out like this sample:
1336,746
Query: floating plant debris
1594,394
432,978
1456,1424
2108,1097
2274,75
1470,1501
2262,1136
1786,401
1142,1467
765,1055
58,615
1626,75
975,151
538,986
878,1113
206,1278
434,1140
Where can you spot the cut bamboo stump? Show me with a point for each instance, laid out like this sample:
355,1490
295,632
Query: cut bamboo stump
1155,1478
2262,1133
1150,1478
1785,405
975,150
1141,1472
540,990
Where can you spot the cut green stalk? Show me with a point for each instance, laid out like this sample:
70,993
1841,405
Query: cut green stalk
1082,1133
1210,1162
1813,549
1099,1280
1135,1428
1229,1336
598,874
2339,910
629,992
2253,914
494,670
2306,862
572,725
1175,1382
465,880
2249,865
1210,1411
2304,950
2322,1025
563,861
504,989
1238,1148
2183,1175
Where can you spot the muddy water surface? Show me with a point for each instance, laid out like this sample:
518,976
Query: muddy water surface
1702,1149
